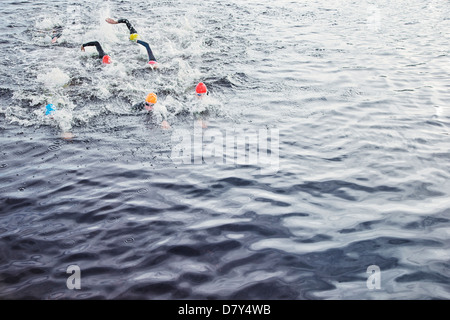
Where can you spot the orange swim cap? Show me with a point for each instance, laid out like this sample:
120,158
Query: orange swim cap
151,98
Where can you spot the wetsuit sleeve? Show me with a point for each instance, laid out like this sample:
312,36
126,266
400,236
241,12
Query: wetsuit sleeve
129,26
57,32
151,57
138,107
101,53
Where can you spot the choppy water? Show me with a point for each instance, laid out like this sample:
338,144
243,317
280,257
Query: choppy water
358,93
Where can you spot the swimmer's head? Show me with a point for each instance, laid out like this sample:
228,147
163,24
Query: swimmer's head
150,101
201,89
106,59
151,98
49,109
134,37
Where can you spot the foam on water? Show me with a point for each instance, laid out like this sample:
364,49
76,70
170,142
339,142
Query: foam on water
54,79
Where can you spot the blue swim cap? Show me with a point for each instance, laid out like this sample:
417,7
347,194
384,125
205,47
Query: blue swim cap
49,109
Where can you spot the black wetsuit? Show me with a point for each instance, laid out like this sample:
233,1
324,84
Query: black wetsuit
101,53
140,106
130,27
151,57
57,32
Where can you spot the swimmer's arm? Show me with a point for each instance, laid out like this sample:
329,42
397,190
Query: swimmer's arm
129,26
111,21
151,57
162,112
97,45
124,21
89,44
137,107
165,125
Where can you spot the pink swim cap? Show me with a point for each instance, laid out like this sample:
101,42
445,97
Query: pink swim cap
106,59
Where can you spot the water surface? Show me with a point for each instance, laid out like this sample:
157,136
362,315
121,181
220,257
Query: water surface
358,93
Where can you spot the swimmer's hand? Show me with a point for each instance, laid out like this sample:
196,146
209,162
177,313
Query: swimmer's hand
111,21
165,125
203,123
82,48
67,135
54,39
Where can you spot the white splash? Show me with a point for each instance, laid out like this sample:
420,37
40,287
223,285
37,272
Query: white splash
54,78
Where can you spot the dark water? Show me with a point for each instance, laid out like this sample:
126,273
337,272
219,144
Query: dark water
355,97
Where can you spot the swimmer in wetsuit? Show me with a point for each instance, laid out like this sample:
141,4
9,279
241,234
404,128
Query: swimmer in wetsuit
149,105
135,37
56,33
101,54
201,91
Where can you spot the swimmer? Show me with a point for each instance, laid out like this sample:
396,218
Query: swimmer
53,34
200,91
101,54
50,111
136,38
149,105
56,33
